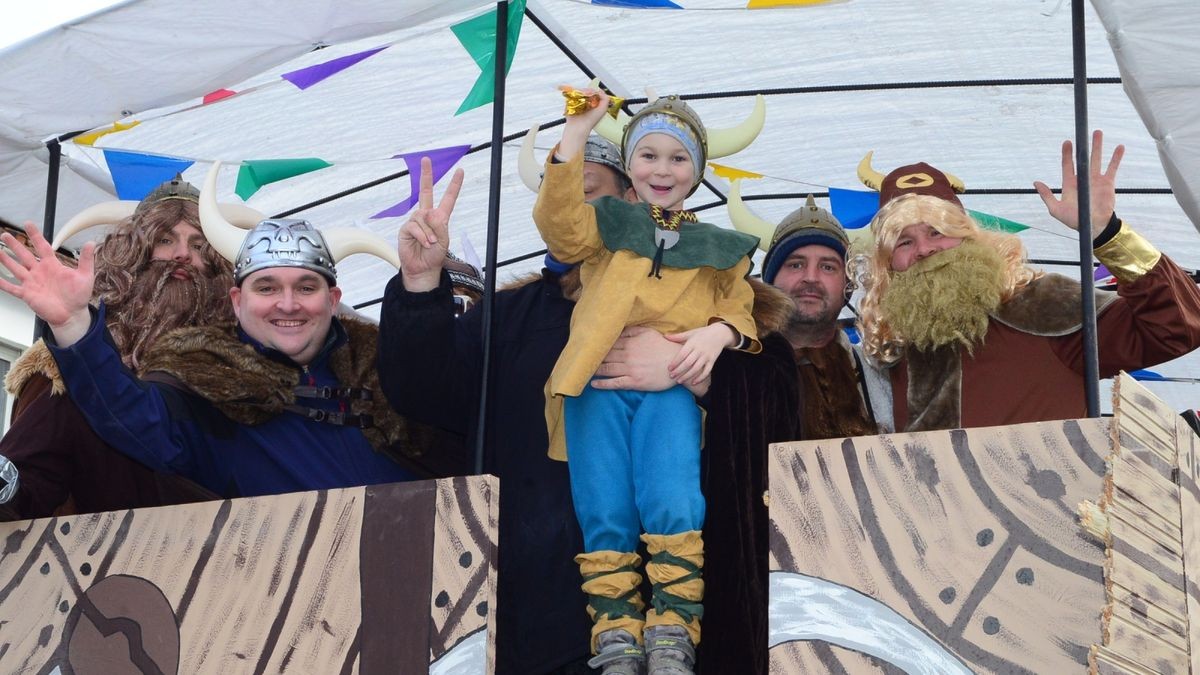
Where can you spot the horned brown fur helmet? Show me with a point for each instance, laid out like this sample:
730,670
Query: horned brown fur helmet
807,225
919,178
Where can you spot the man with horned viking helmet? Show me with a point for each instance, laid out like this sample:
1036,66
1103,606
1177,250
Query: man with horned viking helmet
155,273
429,366
633,457
807,260
969,335
285,400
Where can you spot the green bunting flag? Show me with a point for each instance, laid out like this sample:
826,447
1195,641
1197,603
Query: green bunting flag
256,173
990,222
478,37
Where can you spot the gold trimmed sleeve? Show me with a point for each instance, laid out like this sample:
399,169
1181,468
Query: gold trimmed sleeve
1128,255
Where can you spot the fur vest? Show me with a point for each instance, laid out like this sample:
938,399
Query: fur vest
1048,307
250,388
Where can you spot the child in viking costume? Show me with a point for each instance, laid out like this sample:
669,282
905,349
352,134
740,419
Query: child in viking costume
634,456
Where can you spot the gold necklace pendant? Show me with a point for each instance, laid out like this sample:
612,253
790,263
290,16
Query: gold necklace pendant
671,223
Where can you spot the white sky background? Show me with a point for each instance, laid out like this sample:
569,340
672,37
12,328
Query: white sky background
26,19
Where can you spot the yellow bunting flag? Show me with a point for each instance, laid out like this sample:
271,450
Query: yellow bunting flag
730,173
91,137
761,4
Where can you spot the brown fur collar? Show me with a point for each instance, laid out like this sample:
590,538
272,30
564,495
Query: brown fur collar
934,388
251,389
772,308
1049,307
35,361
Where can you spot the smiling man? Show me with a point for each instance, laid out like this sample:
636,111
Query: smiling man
968,334
285,400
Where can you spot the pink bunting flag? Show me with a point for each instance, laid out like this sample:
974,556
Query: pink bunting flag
443,160
214,96
307,77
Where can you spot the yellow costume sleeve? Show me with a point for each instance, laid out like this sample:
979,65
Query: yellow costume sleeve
1128,255
566,222
735,303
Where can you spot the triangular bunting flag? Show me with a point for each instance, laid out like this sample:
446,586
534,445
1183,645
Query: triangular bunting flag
91,137
256,173
214,96
990,222
853,208
1147,376
135,174
730,173
307,77
1101,273
478,37
761,4
442,159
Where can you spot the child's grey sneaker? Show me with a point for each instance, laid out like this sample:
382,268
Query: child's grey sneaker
669,651
619,654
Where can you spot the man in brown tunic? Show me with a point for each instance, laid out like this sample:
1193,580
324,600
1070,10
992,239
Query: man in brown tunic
807,260
155,272
967,334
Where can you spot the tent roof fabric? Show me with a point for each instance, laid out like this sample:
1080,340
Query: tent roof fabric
977,89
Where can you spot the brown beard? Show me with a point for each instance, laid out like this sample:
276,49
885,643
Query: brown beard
945,298
159,303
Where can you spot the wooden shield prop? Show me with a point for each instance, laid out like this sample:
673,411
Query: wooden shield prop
1055,547
395,578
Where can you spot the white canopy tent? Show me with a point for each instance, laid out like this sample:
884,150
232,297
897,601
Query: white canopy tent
978,89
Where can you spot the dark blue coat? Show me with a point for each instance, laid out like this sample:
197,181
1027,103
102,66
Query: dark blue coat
173,429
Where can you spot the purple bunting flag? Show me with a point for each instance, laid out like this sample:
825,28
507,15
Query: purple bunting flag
443,160
307,77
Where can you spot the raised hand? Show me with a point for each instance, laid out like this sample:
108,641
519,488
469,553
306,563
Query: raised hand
425,238
577,127
57,293
1102,186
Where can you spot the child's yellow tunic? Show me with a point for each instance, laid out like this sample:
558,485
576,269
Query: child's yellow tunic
618,290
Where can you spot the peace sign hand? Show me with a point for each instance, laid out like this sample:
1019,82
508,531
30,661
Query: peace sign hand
57,293
425,238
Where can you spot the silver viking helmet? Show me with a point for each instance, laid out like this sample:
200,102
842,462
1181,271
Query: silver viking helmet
284,242
597,149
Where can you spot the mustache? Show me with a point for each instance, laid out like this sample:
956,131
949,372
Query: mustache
159,302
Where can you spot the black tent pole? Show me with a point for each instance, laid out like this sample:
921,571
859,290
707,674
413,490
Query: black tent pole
1091,361
39,326
493,230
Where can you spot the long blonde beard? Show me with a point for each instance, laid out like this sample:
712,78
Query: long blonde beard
945,298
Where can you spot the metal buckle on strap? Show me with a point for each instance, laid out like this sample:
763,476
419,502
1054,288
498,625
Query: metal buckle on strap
327,393
359,421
